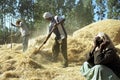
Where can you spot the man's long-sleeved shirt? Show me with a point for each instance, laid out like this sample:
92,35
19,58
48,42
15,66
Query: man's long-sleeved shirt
59,31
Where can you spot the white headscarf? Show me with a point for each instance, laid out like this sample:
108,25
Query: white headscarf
105,37
47,15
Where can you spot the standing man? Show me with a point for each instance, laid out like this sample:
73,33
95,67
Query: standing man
24,32
60,43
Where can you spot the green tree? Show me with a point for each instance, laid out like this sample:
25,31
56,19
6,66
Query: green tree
85,12
75,13
7,8
100,9
25,9
113,9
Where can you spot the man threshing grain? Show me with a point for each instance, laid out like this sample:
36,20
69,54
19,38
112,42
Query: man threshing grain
56,26
102,63
24,33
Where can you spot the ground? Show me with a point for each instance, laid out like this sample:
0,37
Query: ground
16,65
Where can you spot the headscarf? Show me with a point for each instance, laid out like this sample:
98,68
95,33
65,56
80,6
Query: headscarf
107,39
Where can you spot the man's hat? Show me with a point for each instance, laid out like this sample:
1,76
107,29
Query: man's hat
47,15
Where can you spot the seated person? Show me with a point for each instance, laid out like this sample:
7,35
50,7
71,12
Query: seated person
102,63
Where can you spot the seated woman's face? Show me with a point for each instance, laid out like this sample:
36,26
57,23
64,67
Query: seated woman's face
98,40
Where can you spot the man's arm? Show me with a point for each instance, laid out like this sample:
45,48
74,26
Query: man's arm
54,26
105,57
13,24
90,58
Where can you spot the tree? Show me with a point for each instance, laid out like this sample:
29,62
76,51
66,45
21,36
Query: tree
100,9
7,7
83,13
15,9
75,13
25,9
113,9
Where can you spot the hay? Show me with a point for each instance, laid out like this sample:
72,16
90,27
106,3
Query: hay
10,75
82,39
16,65
109,26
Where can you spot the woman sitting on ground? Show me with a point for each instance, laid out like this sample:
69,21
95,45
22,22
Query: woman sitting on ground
102,63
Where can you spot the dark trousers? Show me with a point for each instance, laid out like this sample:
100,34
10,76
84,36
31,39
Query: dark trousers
25,43
57,47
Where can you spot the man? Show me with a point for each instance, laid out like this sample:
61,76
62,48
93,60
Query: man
60,43
24,33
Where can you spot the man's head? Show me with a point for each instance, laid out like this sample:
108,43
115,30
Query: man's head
47,16
18,22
